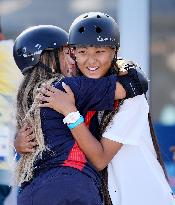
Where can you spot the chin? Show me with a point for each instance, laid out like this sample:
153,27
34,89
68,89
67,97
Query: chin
94,76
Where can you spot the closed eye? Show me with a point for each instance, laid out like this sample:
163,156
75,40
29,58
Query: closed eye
82,51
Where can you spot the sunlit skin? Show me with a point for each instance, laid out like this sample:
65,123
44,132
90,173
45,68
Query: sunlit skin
94,62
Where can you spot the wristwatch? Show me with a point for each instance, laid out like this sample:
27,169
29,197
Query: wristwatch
72,117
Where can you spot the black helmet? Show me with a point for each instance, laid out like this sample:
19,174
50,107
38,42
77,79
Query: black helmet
33,41
94,28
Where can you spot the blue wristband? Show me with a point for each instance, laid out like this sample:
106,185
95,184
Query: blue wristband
75,124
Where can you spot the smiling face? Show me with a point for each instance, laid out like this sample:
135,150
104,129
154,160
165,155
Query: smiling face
94,62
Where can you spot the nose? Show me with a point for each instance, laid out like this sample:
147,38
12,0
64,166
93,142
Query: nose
91,60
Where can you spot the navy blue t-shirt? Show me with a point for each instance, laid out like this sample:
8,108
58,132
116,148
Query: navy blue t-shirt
90,94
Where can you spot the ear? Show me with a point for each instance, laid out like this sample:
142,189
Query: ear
113,52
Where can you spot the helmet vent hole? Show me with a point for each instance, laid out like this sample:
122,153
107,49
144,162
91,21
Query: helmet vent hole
81,30
85,16
98,16
98,30
19,52
107,15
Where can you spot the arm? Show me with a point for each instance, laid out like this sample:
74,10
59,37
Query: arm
130,86
99,153
127,128
90,95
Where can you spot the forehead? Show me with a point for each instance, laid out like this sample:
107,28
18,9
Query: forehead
92,47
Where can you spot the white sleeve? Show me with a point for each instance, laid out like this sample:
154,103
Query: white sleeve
128,124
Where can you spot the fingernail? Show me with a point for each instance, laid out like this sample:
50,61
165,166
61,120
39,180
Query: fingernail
63,84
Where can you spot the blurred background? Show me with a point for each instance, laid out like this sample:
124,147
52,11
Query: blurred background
147,37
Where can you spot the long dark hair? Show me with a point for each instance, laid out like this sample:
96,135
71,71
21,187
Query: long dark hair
106,120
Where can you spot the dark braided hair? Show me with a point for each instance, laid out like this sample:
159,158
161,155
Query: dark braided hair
156,145
106,119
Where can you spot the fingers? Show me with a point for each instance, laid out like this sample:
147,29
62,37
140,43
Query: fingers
32,144
67,89
26,147
49,88
45,92
30,138
24,128
43,98
45,105
28,131
29,147
24,132
25,140
28,150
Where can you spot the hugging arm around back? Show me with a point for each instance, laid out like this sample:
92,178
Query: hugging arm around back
100,90
100,153
90,94
95,94
126,128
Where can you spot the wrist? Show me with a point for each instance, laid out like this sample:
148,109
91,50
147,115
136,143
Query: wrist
69,110
72,117
77,123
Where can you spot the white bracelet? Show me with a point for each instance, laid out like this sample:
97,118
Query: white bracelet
72,117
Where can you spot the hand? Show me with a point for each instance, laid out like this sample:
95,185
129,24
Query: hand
25,140
125,65
62,102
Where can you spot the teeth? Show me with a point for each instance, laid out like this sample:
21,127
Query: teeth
92,68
